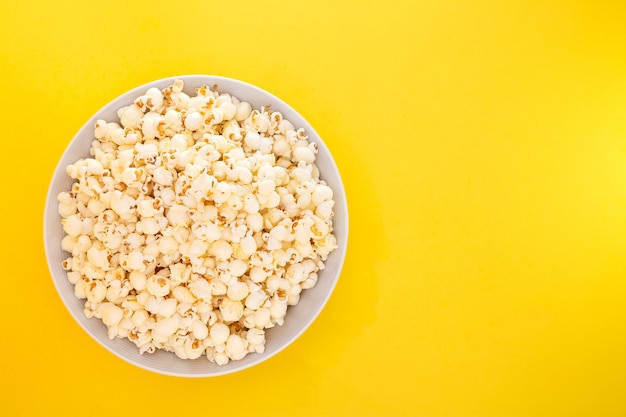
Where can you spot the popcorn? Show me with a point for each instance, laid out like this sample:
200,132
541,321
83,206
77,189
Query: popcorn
219,333
112,315
235,347
193,121
237,291
196,223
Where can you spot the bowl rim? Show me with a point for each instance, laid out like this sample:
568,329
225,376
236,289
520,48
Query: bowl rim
129,95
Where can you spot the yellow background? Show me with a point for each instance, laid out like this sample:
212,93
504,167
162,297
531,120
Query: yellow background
483,149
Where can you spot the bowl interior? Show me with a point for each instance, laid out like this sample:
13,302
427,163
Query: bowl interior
298,317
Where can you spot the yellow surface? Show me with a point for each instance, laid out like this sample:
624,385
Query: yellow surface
483,148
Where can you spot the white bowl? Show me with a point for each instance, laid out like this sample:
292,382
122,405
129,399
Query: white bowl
298,318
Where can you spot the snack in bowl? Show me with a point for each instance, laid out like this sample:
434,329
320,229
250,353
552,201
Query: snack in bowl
196,221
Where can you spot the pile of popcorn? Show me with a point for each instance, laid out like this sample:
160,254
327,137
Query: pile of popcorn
195,223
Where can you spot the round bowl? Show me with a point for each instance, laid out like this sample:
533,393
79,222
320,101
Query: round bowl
298,317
